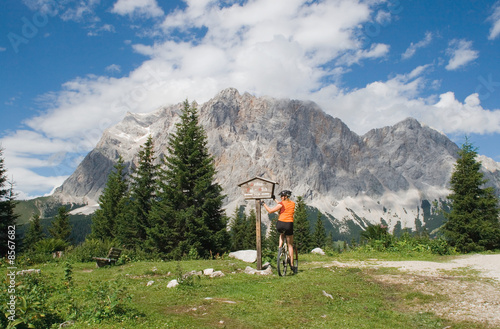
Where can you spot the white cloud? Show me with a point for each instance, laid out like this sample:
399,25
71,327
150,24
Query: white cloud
378,104
384,103
48,7
277,48
412,49
95,29
461,54
27,151
78,13
282,48
113,68
31,142
145,8
495,19
28,184
453,116
376,51
322,29
383,17
81,11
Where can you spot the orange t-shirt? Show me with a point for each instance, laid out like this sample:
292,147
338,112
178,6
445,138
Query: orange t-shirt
287,210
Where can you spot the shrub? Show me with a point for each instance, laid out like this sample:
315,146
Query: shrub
42,251
32,308
88,249
107,300
42,302
378,240
48,246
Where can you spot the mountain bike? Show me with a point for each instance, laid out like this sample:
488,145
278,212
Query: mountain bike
284,258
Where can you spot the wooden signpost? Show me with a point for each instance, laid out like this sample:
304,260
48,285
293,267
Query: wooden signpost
258,188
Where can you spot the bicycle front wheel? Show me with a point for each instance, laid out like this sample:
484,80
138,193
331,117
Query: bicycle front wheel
282,261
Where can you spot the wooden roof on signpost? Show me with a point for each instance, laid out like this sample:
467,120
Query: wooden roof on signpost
258,188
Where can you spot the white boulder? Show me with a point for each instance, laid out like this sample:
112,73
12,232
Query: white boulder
173,283
208,271
318,251
248,256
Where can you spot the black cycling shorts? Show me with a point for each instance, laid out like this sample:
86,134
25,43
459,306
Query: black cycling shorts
284,227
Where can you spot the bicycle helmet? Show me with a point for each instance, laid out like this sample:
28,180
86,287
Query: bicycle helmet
286,193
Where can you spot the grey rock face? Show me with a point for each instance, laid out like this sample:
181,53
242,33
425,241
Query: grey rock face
298,145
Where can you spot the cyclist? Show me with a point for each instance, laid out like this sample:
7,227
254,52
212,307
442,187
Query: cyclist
284,225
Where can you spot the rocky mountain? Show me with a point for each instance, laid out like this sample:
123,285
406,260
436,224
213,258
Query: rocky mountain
387,175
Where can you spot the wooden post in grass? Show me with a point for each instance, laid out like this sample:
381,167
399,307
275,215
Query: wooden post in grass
258,188
258,243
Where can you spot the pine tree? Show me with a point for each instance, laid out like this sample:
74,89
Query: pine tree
111,204
473,222
250,240
134,222
163,234
60,228
301,230
237,230
319,236
8,217
7,206
35,232
375,232
330,242
190,193
273,238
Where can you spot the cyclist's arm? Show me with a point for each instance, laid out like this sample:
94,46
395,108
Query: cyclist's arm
274,209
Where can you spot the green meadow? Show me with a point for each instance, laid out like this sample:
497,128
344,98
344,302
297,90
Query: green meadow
135,295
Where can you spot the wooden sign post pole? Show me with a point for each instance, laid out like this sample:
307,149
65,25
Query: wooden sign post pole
258,234
258,188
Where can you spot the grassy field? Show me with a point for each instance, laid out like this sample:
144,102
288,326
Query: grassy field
317,297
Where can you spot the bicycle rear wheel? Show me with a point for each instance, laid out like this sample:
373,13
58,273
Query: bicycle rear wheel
282,260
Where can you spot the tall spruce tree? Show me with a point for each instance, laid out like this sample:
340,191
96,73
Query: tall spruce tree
134,223
273,238
35,232
473,222
319,236
251,231
7,206
111,204
301,231
190,198
237,230
60,227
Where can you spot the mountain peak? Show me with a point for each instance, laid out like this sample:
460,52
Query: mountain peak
228,93
410,123
296,144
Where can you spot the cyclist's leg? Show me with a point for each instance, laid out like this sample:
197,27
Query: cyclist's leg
281,240
289,240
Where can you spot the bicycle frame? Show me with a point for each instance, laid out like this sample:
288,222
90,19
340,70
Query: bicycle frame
284,258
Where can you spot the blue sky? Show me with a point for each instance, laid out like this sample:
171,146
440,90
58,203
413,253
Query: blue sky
70,69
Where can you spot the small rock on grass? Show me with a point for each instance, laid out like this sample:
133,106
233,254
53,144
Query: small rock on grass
173,283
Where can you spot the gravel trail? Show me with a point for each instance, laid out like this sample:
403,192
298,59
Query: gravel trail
468,299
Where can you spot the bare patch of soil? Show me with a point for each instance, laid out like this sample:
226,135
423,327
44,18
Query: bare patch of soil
454,298
464,289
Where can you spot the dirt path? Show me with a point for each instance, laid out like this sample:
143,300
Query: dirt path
488,266
462,297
